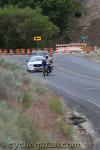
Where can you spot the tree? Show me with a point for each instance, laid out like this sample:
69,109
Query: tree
18,26
60,12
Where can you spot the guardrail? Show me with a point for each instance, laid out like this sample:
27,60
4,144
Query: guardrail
22,51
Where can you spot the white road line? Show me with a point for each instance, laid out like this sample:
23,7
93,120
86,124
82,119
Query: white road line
73,94
77,74
93,88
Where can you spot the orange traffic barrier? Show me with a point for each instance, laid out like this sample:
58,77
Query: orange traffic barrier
51,51
17,51
0,51
10,51
28,51
23,51
5,52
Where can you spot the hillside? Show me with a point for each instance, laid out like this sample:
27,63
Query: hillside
89,23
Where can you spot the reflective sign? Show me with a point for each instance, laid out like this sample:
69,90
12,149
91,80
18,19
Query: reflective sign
37,38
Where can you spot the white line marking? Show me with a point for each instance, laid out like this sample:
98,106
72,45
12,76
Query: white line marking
93,88
73,94
77,74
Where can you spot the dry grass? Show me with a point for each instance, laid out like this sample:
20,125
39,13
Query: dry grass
66,129
56,106
28,109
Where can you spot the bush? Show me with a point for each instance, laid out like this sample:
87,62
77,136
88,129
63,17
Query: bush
39,87
9,65
9,85
56,106
27,100
14,126
65,129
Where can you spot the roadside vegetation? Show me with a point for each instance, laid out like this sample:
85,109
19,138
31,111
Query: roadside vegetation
29,110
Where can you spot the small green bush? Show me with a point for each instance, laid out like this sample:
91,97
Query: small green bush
9,65
27,100
65,129
40,88
56,106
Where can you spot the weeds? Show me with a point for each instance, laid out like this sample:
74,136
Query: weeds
65,129
14,126
56,106
9,65
27,100
39,87
23,92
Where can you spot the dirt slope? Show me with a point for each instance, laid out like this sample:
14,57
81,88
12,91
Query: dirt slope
89,23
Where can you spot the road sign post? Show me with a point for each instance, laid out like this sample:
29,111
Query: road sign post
37,39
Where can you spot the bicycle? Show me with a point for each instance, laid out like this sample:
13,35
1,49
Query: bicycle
45,71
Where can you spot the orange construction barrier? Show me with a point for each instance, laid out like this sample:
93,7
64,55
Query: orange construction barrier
28,51
5,52
51,51
17,51
23,51
0,51
10,51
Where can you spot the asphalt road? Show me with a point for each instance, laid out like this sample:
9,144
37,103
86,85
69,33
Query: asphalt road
78,81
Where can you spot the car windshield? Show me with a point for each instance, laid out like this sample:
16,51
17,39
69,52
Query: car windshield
35,59
33,53
42,53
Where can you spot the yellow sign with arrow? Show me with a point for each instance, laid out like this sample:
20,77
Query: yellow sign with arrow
37,38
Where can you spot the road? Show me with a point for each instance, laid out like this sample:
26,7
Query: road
78,81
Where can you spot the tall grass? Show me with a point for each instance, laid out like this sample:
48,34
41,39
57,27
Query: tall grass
14,126
14,82
66,129
19,95
56,106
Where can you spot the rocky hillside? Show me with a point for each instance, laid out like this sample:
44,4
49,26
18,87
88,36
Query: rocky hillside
92,12
89,23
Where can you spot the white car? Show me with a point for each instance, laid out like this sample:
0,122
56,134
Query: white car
35,63
42,53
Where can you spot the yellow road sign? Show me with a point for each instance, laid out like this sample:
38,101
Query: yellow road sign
37,38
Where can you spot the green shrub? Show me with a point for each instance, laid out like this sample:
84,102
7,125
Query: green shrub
15,126
56,106
65,129
27,100
40,88
9,86
9,65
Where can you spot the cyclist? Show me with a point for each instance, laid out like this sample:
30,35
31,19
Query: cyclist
49,63
44,63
